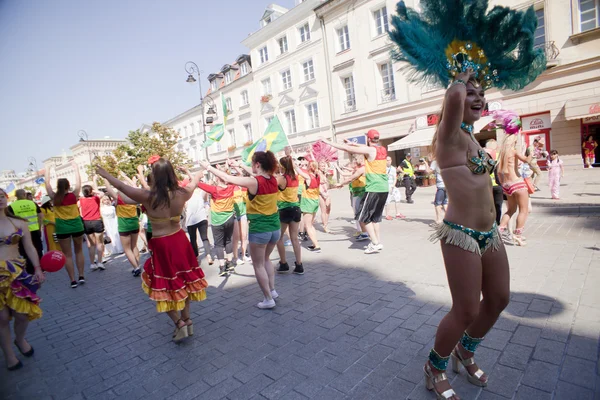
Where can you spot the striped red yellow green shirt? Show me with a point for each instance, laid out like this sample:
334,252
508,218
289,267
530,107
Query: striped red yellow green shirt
358,186
289,196
375,171
221,202
310,196
263,215
127,218
67,216
240,195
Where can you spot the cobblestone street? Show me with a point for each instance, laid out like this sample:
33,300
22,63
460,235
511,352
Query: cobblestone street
355,326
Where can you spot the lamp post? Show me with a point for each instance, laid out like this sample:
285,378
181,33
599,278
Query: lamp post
83,137
32,167
192,68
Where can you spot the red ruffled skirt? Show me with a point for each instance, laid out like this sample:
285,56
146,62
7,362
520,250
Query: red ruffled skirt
172,274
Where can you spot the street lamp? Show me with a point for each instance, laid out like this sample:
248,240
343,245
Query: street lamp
83,136
32,165
192,68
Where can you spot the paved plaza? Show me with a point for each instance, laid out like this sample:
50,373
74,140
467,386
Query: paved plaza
355,326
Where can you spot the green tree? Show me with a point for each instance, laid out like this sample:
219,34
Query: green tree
108,162
161,140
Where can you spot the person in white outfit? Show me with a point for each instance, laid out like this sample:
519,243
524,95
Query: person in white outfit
109,217
196,221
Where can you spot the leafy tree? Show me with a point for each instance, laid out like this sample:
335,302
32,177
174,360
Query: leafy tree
161,140
108,162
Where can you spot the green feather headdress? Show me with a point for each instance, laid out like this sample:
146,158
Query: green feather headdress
449,36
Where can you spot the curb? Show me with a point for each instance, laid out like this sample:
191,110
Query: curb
566,209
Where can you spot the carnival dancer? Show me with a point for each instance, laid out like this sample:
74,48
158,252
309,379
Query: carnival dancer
309,203
454,46
324,198
535,152
128,225
49,224
289,215
589,151
89,206
222,220
376,189
556,172
358,183
240,232
172,277
264,227
18,289
303,165
513,185
69,225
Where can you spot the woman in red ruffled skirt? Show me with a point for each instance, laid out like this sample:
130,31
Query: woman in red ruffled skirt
171,277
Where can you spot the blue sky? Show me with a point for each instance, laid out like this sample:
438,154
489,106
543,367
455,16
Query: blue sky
107,66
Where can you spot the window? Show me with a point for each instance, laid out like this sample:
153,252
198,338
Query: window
381,21
286,79
290,119
228,77
268,121
228,104
344,38
283,45
387,77
350,103
219,147
588,14
313,115
309,70
213,84
185,132
266,86
264,55
199,126
244,96
231,138
193,128
244,69
304,33
540,32
248,130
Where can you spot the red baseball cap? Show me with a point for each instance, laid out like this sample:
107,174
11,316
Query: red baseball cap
373,134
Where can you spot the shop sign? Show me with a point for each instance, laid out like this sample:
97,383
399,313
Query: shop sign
421,122
360,139
591,120
432,119
536,122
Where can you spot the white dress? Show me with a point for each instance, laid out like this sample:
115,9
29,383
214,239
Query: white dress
109,216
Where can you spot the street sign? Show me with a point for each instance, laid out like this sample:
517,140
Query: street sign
360,139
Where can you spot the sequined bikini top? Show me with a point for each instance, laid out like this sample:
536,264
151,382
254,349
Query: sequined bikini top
13,238
482,163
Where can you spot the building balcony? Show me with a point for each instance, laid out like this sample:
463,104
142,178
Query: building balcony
350,105
388,94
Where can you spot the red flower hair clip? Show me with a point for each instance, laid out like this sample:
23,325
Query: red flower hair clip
153,159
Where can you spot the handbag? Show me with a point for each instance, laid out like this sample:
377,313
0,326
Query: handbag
107,239
530,187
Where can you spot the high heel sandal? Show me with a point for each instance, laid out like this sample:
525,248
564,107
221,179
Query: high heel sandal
431,380
475,379
519,238
181,332
190,326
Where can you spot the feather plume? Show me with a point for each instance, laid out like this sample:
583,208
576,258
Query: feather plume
324,152
507,120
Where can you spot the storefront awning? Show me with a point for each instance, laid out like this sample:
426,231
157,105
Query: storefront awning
582,108
421,137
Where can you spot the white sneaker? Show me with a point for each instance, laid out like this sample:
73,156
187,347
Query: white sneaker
101,266
240,261
266,304
248,259
94,266
274,294
362,236
371,248
379,247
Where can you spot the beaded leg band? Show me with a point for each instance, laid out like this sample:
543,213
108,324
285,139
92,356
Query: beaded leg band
438,362
470,343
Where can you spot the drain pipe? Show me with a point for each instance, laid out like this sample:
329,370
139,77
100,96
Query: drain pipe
328,74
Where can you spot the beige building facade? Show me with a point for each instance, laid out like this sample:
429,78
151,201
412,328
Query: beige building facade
562,105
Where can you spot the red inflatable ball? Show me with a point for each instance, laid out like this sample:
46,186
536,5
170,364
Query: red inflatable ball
53,261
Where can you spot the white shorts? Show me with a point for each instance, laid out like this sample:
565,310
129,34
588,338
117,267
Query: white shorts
393,196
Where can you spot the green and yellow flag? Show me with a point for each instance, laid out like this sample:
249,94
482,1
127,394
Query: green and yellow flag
274,139
214,135
225,110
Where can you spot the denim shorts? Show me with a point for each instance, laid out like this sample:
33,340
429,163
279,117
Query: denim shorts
441,198
264,237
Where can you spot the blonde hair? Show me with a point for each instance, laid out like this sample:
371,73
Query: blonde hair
508,143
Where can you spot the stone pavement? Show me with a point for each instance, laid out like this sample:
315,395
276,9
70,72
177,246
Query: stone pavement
355,326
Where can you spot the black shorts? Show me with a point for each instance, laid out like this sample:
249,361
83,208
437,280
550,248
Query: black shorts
69,235
371,207
129,233
93,226
290,214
